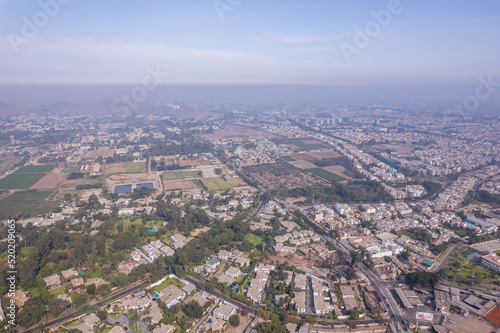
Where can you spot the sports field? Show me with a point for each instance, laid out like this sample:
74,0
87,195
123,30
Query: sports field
126,167
20,180
174,175
216,184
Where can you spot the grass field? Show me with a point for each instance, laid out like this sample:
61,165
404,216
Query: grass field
309,146
126,167
71,169
216,184
35,168
254,239
179,175
330,176
100,152
21,181
6,165
167,283
26,203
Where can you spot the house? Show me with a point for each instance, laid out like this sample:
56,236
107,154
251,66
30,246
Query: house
233,272
188,288
212,265
200,270
52,281
155,313
69,274
198,297
300,282
299,300
117,329
213,324
76,285
20,297
224,311
291,328
305,328
91,320
164,329
171,295
223,278
242,260
224,255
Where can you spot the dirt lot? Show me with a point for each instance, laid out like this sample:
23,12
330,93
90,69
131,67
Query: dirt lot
187,162
301,164
398,148
326,154
238,131
337,169
244,321
50,180
184,185
468,325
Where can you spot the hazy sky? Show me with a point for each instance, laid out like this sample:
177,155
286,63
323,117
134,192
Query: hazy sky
89,42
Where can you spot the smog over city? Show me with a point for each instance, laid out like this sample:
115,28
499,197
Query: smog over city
249,166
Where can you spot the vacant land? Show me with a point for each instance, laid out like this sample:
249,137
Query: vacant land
310,145
50,180
20,180
176,185
126,167
338,170
324,154
326,175
100,152
302,164
254,239
174,175
35,168
168,282
6,165
192,162
398,148
283,175
216,184
26,203
238,132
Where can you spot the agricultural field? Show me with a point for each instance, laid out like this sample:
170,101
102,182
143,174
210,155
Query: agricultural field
50,180
6,165
395,147
175,175
307,146
332,177
20,181
35,169
216,184
125,167
26,203
284,175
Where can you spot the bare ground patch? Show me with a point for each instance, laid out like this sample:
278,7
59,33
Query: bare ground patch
398,148
301,164
50,180
324,154
337,169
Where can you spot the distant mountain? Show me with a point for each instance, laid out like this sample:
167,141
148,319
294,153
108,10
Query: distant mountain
8,109
105,107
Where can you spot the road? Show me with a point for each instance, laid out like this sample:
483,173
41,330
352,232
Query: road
226,299
75,314
446,259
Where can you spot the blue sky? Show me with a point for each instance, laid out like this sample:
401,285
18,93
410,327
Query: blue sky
99,42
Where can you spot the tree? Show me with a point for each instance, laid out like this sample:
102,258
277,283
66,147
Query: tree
79,299
91,288
354,313
102,315
234,320
246,246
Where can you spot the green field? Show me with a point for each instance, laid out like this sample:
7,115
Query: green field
126,167
21,181
254,239
167,283
26,203
35,168
174,175
309,146
330,176
99,152
216,184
